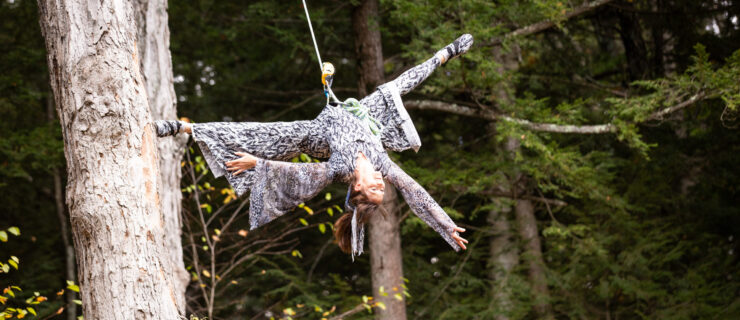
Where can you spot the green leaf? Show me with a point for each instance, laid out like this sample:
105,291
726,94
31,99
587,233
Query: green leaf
6,268
14,258
303,221
327,196
33,312
309,210
322,229
73,287
3,236
15,231
78,302
330,211
13,263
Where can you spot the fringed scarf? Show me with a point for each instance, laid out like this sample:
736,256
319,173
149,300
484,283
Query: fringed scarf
358,231
362,112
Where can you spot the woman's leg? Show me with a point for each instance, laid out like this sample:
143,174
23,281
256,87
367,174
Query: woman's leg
171,127
408,80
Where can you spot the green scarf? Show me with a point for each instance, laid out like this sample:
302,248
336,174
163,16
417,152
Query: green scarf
361,112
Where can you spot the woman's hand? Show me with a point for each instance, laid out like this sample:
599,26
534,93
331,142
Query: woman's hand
246,162
460,240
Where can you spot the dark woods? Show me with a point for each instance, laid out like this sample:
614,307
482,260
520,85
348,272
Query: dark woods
590,149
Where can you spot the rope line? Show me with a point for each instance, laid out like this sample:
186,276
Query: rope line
331,94
313,37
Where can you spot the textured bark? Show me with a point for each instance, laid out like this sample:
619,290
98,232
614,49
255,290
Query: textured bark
155,63
117,223
527,226
368,47
386,263
504,257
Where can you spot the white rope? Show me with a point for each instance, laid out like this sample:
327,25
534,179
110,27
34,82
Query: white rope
310,27
316,47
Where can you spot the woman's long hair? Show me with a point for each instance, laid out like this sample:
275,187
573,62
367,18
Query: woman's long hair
343,225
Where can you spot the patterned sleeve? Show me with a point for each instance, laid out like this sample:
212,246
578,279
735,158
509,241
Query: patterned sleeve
280,186
422,204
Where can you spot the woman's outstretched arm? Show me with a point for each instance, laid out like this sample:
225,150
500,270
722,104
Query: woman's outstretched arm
408,80
422,204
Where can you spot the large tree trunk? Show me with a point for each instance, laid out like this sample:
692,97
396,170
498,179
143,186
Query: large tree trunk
155,63
527,225
386,262
117,224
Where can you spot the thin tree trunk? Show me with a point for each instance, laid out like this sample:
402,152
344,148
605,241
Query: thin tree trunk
504,251
69,251
386,262
527,225
368,46
156,69
635,49
117,224
504,258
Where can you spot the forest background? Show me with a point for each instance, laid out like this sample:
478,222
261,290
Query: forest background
590,149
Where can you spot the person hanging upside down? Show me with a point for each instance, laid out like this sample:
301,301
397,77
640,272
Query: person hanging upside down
353,135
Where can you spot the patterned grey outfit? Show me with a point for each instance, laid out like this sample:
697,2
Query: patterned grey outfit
277,187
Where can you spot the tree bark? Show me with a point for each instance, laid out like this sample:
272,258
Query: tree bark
156,69
117,223
527,225
386,263
504,257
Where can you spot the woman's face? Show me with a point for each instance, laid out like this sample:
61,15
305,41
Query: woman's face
370,183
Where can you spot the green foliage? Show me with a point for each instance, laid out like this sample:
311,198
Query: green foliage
11,299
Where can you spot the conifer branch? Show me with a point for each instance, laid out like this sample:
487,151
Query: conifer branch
547,24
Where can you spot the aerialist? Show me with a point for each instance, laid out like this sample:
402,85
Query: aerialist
352,135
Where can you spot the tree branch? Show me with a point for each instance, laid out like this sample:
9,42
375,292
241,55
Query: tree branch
665,111
493,116
547,24
544,127
356,309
